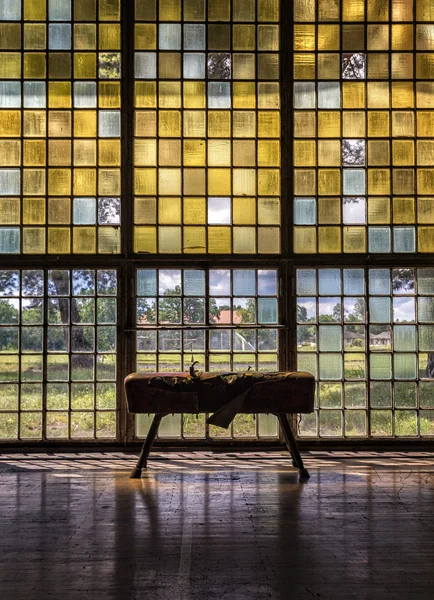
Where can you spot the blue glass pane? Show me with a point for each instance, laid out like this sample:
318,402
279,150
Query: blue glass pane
85,94
10,182
404,338
354,282
59,10
379,310
10,94
404,366
329,282
220,282
194,282
244,283
354,182
59,36
109,123
145,65
267,311
404,239
379,239
304,95
194,66
379,281
194,37
305,211
169,282
306,282
9,240
329,94
10,10
169,37
219,94
425,279
84,211
267,283
34,94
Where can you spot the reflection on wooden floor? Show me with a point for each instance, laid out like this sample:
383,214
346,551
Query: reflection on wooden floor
217,526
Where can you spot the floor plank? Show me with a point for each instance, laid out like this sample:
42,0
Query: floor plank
217,526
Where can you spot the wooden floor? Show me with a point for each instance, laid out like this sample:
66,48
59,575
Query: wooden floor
217,527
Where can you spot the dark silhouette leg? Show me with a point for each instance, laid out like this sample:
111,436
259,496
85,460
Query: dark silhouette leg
292,446
136,473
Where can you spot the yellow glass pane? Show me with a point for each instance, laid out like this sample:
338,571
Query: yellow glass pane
34,36
59,182
169,182
109,37
268,240
244,38
169,211
145,35
84,182
85,10
268,124
354,240
402,94
304,37
424,65
84,123
145,94
304,182
378,182
425,239
169,153
145,123
402,65
329,211
424,10
145,152
169,94
378,65
194,153
145,210
59,94
378,37
403,181
170,10
10,211
59,240
84,240
10,65
268,37
329,182
329,124
425,152
268,182
194,123
84,65
425,210
109,182
33,182
194,181
353,37
329,37
329,240
425,37
219,182
169,123
244,211
244,124
109,10
269,211
244,240
402,37
109,240
169,65
59,211
329,153
35,10
379,211
378,94
378,124
33,240
353,124
194,95
219,123
109,94
403,124
304,153
34,124
194,10
402,10
353,10
304,10
378,10
84,36
194,240
268,153
59,153
329,66
425,181
169,240
219,240
305,240
304,66
194,211
403,152
219,153
378,153
10,153
304,124
10,36
328,10
109,153
85,153
403,210
34,65
244,182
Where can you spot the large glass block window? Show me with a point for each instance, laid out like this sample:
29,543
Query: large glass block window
363,150
60,126
368,337
225,319
58,344
207,127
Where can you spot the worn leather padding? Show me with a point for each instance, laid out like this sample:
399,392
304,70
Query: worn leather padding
293,392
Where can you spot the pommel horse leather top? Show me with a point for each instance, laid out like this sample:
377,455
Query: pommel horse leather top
223,394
